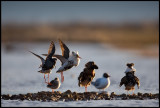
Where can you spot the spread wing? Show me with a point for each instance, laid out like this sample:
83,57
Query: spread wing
137,81
60,57
123,81
42,60
65,50
51,49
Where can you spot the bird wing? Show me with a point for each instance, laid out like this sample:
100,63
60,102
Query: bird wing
51,50
137,81
53,82
42,60
97,82
123,81
65,50
61,58
80,76
45,54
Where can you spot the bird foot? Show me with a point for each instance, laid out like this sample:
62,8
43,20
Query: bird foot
62,77
85,89
62,80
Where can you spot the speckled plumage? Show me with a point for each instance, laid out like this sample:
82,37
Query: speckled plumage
49,63
86,76
129,81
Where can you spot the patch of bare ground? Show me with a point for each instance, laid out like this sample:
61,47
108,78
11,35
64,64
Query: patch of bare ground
74,96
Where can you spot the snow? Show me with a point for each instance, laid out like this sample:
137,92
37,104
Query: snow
20,76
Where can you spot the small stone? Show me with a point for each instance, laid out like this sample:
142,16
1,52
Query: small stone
107,98
74,96
123,95
145,94
139,94
68,92
97,98
112,94
132,96
156,95
141,98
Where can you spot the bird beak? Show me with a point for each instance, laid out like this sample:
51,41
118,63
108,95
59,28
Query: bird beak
79,57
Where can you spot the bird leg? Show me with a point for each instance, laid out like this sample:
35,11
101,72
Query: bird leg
48,78
127,92
52,91
62,77
85,88
133,93
45,78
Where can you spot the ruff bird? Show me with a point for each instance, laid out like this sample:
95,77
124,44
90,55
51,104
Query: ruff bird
102,83
67,60
130,68
129,81
54,84
49,63
86,76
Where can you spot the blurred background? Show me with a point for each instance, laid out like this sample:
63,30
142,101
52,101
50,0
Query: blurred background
129,24
103,32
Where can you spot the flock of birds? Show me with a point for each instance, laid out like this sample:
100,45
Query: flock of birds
87,75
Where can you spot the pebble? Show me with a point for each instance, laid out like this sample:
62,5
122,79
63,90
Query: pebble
74,96
139,94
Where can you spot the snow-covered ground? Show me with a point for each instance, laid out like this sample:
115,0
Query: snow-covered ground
19,73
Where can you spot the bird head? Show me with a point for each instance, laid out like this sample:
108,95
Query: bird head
56,79
130,65
91,64
105,75
75,54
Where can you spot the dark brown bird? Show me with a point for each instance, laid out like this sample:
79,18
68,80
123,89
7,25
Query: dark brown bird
129,81
85,78
49,63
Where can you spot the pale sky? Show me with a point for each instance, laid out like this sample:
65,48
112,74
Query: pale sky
91,11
